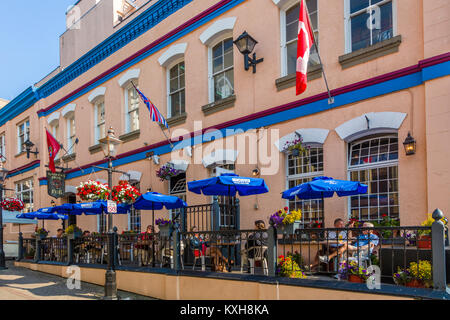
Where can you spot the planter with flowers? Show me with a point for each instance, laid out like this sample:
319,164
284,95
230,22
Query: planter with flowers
287,222
93,191
418,275
424,239
12,204
295,146
166,172
353,272
389,236
165,226
41,233
125,193
73,232
288,267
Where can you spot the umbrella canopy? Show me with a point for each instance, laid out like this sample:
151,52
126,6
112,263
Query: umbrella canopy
50,216
27,215
325,187
156,201
66,208
47,210
98,207
228,184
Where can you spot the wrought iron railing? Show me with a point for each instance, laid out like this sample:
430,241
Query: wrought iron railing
53,249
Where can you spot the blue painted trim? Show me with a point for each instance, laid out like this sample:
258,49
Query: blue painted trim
43,182
18,105
24,170
369,92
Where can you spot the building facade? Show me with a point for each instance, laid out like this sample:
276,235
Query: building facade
387,63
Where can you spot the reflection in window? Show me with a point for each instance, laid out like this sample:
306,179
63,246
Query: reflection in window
133,109
222,69
177,90
24,192
100,129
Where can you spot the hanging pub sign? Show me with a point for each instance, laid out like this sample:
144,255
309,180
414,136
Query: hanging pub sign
56,184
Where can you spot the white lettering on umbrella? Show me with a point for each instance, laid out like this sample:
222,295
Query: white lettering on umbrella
241,181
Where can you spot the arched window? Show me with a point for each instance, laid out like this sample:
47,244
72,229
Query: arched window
374,161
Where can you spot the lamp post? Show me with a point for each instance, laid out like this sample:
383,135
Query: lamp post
3,174
109,145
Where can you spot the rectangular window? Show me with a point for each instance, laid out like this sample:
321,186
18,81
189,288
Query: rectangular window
177,188
22,135
3,147
71,134
301,169
132,109
223,69
24,192
368,22
135,215
290,18
227,219
55,132
100,129
177,90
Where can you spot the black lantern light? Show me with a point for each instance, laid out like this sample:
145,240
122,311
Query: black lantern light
29,145
256,172
410,145
245,44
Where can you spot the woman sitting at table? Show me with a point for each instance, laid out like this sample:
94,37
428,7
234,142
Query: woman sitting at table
144,245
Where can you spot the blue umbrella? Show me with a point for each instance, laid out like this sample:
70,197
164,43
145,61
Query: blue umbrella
50,216
66,208
27,215
157,201
228,184
325,187
98,207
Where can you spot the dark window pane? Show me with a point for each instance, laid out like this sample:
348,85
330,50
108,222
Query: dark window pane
356,5
360,32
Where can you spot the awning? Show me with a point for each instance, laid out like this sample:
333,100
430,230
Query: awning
10,217
133,176
220,157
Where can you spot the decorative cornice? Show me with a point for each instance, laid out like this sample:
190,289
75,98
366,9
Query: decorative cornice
15,107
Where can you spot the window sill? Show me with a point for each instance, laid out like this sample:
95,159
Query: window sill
69,157
95,148
219,105
177,120
314,72
133,135
370,53
20,154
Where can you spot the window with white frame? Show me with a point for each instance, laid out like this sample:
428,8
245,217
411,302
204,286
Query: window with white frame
134,220
222,67
368,22
177,188
132,108
24,192
22,135
227,219
374,162
3,147
177,101
71,133
100,127
55,132
300,169
289,35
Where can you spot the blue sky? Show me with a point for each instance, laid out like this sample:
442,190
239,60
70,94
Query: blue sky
29,42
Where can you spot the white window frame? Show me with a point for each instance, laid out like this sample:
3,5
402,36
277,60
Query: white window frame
348,26
376,165
26,124
283,45
127,89
19,193
55,130
181,195
3,147
169,67
96,124
69,118
210,64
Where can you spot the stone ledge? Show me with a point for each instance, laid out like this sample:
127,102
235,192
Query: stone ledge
314,72
366,54
69,157
219,105
133,135
95,148
177,120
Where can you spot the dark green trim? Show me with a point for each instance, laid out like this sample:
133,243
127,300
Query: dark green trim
366,54
314,72
133,135
219,105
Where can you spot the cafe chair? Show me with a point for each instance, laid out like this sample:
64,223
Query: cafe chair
259,253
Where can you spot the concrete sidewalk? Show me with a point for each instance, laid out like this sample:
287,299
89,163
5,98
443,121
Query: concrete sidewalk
18,283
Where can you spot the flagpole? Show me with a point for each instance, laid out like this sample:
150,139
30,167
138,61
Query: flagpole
330,98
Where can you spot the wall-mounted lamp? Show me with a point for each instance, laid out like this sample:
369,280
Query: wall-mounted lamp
256,172
149,189
53,203
29,145
245,44
410,145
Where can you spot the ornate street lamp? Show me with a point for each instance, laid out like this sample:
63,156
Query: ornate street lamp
410,145
3,175
29,145
245,44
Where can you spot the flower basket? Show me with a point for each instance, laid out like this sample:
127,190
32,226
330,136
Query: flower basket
290,228
164,230
12,204
415,284
166,172
40,236
354,278
93,191
295,146
424,242
73,236
125,193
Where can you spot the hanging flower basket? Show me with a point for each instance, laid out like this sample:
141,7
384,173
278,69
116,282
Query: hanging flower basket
41,233
285,221
12,204
73,232
125,193
165,226
166,172
295,146
93,191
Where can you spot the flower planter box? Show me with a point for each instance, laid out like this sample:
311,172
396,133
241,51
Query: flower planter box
415,284
73,236
356,279
41,236
424,242
164,231
290,228
394,241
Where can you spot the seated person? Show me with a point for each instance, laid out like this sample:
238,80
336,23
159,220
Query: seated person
257,239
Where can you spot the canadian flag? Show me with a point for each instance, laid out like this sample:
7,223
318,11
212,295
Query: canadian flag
304,44
53,148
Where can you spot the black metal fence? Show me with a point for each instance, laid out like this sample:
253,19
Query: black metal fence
29,249
91,249
53,249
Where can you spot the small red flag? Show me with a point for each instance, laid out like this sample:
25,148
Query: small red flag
53,148
304,44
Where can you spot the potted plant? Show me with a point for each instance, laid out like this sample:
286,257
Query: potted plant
29,254
166,172
353,272
41,233
12,204
125,193
288,267
73,232
295,146
417,275
424,240
93,191
389,236
411,238
286,221
165,226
